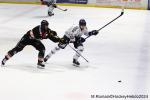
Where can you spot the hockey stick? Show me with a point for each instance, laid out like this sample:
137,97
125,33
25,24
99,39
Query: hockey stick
78,53
62,9
122,12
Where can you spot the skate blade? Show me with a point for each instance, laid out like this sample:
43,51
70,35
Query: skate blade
45,63
3,65
40,67
76,65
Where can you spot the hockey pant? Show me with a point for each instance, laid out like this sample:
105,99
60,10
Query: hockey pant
26,40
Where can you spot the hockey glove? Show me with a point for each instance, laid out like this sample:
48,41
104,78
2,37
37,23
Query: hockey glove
65,40
54,5
93,32
54,33
61,40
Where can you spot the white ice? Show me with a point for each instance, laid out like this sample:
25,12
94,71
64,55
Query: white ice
121,51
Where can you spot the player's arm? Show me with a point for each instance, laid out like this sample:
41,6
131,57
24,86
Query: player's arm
52,35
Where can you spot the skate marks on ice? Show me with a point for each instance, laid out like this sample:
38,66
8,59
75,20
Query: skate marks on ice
69,66
41,17
22,67
32,68
50,68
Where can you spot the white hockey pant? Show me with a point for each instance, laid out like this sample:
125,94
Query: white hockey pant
53,51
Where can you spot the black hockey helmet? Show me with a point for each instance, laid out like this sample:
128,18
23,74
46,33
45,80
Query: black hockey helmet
82,22
44,23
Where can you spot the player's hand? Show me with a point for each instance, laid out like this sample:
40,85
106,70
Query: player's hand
61,40
82,39
54,5
93,32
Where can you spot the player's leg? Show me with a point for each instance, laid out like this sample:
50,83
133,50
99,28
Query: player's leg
61,45
53,51
19,47
80,48
56,49
50,10
41,48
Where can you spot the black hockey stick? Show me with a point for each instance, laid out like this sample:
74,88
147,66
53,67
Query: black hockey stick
62,9
78,53
122,12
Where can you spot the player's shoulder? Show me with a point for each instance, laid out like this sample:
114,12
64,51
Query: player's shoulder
36,27
75,27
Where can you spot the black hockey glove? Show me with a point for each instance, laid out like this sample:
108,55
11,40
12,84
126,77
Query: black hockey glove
65,40
54,33
93,32
54,5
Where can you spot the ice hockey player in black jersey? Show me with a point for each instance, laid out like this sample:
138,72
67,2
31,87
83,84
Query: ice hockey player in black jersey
73,35
51,5
33,37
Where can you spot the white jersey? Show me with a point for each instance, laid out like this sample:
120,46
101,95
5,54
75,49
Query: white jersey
73,32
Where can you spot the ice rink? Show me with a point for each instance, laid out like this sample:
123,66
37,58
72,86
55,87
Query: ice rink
120,52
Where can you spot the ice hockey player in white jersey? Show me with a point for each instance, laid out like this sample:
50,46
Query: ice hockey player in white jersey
73,35
51,5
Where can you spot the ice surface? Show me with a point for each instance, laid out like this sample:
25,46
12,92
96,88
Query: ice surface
121,51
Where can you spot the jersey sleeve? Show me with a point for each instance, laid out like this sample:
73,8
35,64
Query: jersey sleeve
71,33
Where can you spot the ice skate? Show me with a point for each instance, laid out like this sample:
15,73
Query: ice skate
40,65
50,14
76,63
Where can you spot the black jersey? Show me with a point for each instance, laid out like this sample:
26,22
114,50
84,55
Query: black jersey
39,33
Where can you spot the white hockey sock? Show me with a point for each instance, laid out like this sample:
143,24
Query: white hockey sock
50,9
77,55
53,51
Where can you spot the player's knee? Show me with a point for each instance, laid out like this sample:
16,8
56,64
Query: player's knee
41,48
57,48
19,49
14,51
80,48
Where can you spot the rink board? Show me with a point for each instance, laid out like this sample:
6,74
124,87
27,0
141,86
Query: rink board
130,4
